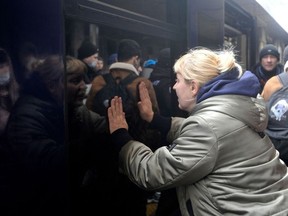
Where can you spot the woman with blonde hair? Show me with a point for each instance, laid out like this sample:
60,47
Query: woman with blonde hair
219,160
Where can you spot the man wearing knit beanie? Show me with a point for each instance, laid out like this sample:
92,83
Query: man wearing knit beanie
276,98
88,53
269,65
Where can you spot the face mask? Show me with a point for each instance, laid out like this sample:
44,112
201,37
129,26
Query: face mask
4,78
93,64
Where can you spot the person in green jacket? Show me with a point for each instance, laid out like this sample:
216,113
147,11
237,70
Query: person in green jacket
220,160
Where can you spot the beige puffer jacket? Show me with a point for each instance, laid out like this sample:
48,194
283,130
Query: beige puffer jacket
220,164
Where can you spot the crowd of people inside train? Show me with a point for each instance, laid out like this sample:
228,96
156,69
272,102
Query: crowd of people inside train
70,148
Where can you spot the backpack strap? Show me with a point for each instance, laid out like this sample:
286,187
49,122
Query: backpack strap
128,79
108,78
283,78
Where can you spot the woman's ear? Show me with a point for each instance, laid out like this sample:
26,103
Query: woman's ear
194,87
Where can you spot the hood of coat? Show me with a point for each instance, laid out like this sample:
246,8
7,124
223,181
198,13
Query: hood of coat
234,96
249,110
229,83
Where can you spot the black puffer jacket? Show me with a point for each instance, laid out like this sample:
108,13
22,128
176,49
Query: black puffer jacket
36,152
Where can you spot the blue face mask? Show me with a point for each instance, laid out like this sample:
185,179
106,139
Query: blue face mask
93,64
4,78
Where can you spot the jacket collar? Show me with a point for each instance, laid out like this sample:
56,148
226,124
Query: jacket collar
124,66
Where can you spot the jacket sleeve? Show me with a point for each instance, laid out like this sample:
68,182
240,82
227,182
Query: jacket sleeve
95,122
192,157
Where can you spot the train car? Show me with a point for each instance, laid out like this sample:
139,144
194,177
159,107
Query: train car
35,29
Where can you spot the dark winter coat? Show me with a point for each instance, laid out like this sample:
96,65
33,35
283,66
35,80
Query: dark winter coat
36,152
161,80
263,76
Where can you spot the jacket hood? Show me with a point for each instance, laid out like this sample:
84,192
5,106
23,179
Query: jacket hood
249,110
229,83
236,97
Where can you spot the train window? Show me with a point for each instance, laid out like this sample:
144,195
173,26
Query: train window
238,32
105,23
31,28
107,38
34,137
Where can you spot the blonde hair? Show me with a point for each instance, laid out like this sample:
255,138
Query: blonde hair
202,64
74,65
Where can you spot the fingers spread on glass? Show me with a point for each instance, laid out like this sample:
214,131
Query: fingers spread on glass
145,104
116,116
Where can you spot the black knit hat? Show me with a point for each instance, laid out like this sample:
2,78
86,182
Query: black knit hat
269,49
87,49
